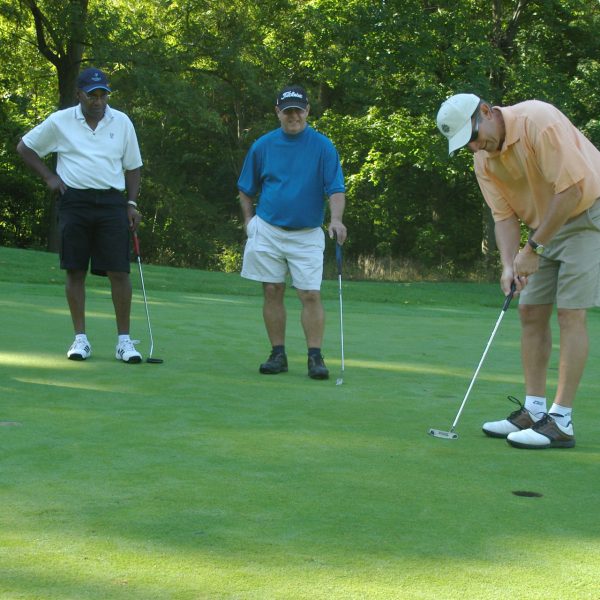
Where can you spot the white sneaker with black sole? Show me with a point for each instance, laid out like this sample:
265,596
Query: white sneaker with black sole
79,350
127,353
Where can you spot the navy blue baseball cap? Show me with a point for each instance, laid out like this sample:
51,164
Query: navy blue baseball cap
92,79
292,96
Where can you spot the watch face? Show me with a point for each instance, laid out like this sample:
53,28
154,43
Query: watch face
539,249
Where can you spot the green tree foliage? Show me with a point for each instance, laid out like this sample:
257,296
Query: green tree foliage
199,77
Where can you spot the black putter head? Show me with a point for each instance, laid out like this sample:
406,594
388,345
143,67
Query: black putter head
155,361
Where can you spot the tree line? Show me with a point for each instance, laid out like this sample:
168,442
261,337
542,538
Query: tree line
199,79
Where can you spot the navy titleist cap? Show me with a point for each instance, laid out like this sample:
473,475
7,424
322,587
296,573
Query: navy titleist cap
92,79
292,96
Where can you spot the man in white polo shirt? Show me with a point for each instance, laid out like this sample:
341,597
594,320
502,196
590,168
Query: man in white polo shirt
98,161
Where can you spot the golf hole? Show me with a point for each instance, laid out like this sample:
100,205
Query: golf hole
527,494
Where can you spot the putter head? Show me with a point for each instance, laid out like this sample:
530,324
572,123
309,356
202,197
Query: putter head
445,435
155,361
339,381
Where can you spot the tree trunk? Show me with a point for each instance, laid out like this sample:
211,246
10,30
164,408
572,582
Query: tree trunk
62,44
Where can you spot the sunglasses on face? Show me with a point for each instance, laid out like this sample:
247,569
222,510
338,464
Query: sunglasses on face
475,131
91,97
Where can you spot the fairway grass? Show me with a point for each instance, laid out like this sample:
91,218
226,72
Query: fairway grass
201,479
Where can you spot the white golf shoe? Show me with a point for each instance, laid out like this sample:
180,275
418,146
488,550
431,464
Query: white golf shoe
79,350
517,421
127,353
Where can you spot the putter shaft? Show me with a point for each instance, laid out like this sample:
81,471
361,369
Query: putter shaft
136,246
338,258
451,434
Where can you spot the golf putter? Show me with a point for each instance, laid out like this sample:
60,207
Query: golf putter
452,435
338,259
136,247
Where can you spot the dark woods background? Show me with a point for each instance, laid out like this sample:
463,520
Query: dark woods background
199,78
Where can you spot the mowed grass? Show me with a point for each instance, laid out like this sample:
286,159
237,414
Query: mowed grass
201,479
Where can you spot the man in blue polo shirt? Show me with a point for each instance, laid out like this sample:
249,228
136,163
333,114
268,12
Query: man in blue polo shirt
291,170
98,160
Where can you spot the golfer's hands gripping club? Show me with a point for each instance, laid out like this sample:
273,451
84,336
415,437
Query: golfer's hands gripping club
133,217
337,231
511,283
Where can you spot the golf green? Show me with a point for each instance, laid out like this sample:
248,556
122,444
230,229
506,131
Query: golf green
201,479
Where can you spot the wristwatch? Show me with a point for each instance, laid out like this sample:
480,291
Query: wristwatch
537,248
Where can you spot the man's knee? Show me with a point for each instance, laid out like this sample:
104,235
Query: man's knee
119,280
310,297
535,314
571,317
274,291
76,276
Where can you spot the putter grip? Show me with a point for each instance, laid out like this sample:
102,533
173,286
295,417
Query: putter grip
509,296
136,244
338,257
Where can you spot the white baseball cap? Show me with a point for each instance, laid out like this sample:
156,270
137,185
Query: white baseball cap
454,120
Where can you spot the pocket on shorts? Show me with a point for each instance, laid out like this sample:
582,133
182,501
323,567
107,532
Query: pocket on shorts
593,214
251,227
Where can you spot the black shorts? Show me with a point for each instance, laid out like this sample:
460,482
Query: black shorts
93,226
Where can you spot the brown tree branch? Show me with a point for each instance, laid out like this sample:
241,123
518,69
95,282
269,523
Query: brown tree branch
42,26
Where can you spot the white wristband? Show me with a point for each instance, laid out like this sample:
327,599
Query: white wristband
132,203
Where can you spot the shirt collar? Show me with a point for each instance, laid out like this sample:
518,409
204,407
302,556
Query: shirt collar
511,132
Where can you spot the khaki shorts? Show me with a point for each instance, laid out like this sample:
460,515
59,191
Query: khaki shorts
569,273
271,252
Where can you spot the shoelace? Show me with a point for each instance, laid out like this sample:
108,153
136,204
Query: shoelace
519,404
128,345
80,344
547,418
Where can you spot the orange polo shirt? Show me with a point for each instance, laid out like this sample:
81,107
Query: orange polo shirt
543,154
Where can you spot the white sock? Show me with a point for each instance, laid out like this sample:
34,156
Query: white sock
536,405
81,337
123,338
562,416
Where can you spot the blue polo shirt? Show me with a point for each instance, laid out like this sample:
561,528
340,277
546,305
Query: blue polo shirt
293,174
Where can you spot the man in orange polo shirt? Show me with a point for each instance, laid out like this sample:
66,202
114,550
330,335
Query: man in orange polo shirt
534,166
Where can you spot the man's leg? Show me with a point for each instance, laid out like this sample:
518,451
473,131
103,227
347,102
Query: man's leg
121,296
274,313
75,293
313,323
574,347
536,346
313,317
555,430
274,316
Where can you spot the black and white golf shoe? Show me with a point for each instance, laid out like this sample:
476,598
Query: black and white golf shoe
126,352
79,350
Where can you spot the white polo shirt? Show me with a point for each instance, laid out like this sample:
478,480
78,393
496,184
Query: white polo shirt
87,158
